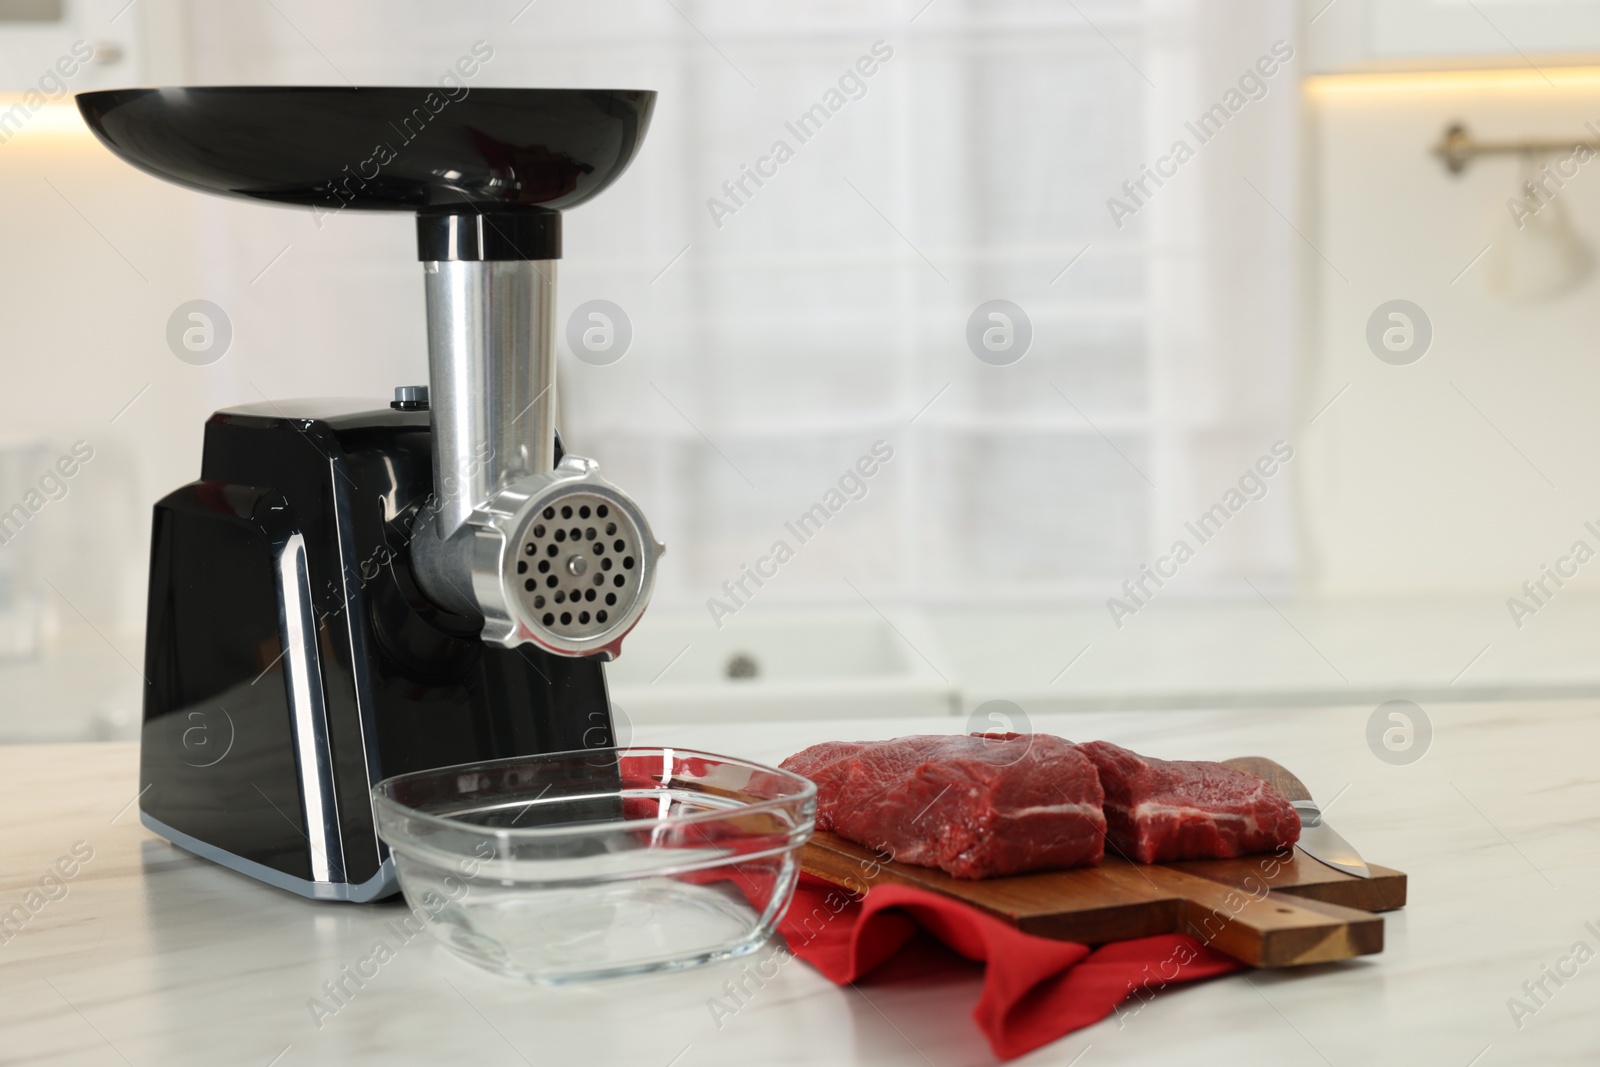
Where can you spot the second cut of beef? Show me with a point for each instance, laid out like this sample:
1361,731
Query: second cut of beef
1158,810
975,806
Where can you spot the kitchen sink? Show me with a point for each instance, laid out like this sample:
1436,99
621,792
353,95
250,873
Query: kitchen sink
794,664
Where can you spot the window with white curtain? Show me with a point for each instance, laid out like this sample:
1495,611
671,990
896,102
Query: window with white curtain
775,343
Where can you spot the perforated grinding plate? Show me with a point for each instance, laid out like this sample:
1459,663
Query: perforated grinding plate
579,565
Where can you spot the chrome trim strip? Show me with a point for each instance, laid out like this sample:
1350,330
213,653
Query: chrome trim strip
377,887
308,711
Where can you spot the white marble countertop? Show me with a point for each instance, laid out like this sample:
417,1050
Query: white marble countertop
154,957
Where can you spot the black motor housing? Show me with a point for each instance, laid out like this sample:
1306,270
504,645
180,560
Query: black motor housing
292,662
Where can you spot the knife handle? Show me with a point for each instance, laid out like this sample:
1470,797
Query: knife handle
1291,787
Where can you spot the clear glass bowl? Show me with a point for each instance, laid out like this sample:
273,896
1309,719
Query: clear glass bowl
580,865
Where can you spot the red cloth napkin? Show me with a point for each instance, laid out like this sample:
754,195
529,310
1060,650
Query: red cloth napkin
1034,989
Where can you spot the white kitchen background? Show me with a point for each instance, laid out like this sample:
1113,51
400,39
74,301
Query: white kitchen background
829,311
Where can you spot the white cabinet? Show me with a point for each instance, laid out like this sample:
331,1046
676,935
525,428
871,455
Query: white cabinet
51,48
1348,35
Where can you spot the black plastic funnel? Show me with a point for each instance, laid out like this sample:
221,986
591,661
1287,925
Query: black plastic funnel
487,170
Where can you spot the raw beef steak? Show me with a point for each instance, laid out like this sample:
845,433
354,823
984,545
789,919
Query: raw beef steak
976,806
1159,810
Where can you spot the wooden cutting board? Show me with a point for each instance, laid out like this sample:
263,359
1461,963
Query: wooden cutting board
1265,911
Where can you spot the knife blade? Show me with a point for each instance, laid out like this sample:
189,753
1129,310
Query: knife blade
1317,839
1322,843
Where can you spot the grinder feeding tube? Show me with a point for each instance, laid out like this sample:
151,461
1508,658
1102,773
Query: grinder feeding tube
545,553
348,593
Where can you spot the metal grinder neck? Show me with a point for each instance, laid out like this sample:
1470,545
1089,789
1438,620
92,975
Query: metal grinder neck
490,290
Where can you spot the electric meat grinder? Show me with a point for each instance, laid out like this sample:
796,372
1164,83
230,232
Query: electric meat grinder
347,594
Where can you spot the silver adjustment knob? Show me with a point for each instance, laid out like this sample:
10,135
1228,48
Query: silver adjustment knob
410,398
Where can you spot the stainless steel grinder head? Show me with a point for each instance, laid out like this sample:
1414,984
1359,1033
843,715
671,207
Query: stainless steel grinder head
566,562
547,554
